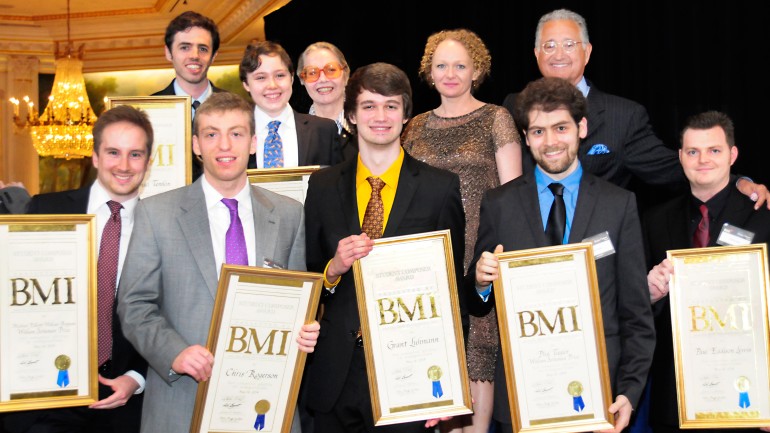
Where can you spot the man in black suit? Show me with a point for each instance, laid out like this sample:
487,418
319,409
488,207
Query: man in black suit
122,146
551,113
267,73
192,42
707,153
620,144
416,198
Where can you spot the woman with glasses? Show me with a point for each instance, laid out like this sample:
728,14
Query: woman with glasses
479,142
324,72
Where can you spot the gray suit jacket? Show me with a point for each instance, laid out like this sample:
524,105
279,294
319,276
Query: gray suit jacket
169,283
510,215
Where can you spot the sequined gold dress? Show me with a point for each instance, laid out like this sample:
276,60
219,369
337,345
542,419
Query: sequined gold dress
466,145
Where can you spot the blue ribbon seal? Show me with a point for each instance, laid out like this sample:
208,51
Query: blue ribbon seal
259,424
437,391
743,400
63,379
577,403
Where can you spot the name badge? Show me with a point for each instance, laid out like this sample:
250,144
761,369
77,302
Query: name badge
731,235
602,245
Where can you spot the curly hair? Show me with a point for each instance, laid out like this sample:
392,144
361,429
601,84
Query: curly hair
478,52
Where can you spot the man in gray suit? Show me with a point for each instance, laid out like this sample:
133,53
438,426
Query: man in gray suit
551,113
178,246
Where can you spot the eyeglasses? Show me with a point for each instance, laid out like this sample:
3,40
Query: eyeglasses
567,45
311,74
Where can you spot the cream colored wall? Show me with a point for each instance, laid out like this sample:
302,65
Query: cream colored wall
18,159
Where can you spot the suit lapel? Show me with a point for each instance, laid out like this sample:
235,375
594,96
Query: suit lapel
265,227
346,187
596,106
79,200
303,135
676,227
530,204
586,203
194,223
407,186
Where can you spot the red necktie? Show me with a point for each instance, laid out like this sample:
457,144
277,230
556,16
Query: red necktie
701,237
107,279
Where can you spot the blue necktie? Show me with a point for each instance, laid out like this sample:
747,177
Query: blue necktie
273,156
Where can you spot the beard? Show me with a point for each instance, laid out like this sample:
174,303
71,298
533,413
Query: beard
555,166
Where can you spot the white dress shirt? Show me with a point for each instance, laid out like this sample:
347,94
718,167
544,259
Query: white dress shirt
97,205
219,221
287,130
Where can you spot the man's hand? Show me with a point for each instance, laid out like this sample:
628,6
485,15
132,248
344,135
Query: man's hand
123,386
657,280
487,268
308,336
195,361
622,411
349,250
755,192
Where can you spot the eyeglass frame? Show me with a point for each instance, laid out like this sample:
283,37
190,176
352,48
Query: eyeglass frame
304,74
560,44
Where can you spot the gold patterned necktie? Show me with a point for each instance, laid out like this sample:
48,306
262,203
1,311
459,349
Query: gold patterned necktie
375,210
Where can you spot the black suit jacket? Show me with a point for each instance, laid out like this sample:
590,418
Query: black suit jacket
666,228
634,150
510,215
317,140
124,356
427,199
169,90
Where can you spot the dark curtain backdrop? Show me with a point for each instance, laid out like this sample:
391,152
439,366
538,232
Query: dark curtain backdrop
676,58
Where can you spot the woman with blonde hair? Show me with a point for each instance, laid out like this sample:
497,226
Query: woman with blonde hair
479,142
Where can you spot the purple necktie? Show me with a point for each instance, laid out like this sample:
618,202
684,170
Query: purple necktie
235,241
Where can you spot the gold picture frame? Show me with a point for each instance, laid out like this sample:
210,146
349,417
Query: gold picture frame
257,365
48,327
552,337
412,333
171,159
719,318
288,181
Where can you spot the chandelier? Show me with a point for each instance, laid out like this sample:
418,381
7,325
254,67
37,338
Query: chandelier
64,128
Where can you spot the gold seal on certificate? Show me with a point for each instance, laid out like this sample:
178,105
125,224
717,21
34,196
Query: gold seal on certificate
575,389
434,374
261,408
62,362
742,384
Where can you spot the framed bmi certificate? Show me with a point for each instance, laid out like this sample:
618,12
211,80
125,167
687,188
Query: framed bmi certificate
552,338
720,331
47,311
171,158
257,364
410,323
291,182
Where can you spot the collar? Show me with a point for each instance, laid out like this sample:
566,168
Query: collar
214,198
341,122
583,86
98,197
286,117
390,177
202,98
715,204
571,183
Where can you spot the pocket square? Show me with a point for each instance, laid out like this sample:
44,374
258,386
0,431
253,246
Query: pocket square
598,149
